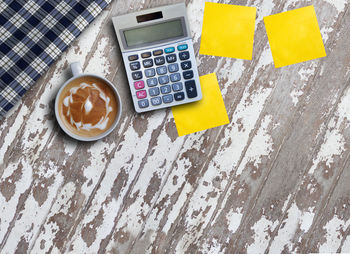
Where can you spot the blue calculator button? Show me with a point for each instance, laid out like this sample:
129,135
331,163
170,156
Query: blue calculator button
150,72
143,103
161,70
177,87
152,82
173,67
175,77
168,98
156,101
169,50
182,47
163,80
179,96
154,91
165,89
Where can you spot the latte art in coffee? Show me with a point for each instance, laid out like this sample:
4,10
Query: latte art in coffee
88,106
84,100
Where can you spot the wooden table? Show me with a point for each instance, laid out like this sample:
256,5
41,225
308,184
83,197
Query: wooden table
276,179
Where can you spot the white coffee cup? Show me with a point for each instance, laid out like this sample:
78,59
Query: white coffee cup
78,73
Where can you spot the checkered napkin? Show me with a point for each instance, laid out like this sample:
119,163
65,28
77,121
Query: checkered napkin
33,33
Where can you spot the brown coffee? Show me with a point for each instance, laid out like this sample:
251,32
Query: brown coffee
87,106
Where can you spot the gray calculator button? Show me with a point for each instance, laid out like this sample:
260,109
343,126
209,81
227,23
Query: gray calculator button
165,89
187,74
150,72
133,57
184,55
175,77
147,63
177,87
173,67
163,80
191,89
153,91
159,60
171,58
152,82
156,101
168,98
136,75
134,66
186,65
161,70
143,103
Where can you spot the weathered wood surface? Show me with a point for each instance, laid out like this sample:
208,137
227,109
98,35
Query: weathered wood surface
276,179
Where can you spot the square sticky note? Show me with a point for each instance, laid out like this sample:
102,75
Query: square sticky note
294,36
228,30
207,113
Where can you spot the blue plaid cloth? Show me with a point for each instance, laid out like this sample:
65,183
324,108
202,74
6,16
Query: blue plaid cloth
33,33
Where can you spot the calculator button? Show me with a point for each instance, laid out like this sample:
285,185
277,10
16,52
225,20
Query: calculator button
165,89
171,58
156,101
163,80
159,60
191,89
136,75
161,70
169,50
175,77
148,63
187,74
146,54
150,72
184,55
139,85
179,96
177,87
168,98
134,66
173,67
158,52
133,57
153,91
152,82
186,65
141,94
182,47
143,103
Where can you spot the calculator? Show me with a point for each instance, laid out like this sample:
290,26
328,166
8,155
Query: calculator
158,55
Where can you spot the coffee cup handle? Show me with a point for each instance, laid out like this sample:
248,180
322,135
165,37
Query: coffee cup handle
76,68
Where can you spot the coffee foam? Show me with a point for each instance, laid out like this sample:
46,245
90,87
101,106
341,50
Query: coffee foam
88,106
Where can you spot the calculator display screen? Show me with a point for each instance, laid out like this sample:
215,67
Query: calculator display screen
152,33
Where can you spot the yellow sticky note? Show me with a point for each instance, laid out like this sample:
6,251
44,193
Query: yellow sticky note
228,30
294,36
207,113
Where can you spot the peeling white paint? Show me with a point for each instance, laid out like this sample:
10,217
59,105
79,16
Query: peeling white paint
333,236
234,218
296,219
334,142
339,5
261,232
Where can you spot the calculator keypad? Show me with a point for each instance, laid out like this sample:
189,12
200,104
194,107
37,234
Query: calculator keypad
163,76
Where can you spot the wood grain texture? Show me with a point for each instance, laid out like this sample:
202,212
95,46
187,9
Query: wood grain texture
274,180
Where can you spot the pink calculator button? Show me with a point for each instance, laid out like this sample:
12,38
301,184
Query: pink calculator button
139,85
141,94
